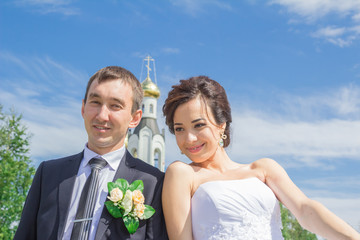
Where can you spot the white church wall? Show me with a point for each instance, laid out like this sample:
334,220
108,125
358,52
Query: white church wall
145,145
159,145
148,102
132,146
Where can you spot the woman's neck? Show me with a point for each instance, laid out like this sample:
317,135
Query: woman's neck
219,162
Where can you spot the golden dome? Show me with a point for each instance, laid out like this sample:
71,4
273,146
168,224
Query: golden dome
150,89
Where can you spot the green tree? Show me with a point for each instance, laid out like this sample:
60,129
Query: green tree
292,229
16,172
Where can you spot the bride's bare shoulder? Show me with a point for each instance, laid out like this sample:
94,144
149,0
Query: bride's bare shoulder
179,168
263,163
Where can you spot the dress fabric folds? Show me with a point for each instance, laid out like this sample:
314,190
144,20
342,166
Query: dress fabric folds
235,209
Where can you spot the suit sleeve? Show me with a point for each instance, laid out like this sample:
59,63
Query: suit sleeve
27,228
156,228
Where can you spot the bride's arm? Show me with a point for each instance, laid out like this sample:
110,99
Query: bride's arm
311,215
176,200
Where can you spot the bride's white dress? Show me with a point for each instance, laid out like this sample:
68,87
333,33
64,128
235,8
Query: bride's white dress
235,209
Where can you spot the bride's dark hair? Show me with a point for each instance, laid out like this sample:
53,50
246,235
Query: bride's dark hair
212,94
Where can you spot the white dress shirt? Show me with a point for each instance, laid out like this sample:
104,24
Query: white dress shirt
106,175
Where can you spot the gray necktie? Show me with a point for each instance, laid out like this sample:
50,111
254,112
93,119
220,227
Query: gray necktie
84,214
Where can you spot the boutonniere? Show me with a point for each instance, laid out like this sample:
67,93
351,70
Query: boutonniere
127,202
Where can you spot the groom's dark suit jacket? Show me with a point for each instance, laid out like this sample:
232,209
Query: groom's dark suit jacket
46,207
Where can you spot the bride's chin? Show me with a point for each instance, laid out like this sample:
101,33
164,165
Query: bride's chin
197,160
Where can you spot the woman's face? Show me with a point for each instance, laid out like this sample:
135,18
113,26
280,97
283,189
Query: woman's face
195,132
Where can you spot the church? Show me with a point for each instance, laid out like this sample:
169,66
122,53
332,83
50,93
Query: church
146,142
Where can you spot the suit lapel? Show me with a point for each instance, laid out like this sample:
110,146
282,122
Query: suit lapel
65,190
126,171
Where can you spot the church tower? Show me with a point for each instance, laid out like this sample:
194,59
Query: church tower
146,142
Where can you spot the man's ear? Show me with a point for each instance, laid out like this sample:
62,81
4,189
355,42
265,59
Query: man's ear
82,108
136,117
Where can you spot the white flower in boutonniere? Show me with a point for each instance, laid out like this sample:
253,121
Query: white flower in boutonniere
116,195
127,202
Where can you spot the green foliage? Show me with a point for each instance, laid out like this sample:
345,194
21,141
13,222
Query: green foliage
15,172
115,211
137,185
292,230
131,224
148,212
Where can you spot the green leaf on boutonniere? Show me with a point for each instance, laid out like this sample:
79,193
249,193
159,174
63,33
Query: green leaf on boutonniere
115,211
131,224
148,212
137,185
111,186
122,184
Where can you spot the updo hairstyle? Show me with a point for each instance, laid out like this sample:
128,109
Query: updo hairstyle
209,91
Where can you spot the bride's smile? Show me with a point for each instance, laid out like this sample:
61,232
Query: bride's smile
196,148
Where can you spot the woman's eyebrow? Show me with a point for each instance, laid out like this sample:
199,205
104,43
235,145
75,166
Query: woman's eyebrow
196,120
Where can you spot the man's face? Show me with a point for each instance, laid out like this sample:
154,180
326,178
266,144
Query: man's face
107,115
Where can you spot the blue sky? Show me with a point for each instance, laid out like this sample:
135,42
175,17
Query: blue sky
291,69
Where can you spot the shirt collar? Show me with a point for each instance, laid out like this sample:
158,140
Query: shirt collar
112,158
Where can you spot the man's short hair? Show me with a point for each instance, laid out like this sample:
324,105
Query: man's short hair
114,73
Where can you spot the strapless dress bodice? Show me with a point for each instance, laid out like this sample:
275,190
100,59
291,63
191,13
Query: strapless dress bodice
235,209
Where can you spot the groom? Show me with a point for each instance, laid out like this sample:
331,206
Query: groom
112,104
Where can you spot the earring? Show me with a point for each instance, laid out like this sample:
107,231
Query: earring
223,136
181,152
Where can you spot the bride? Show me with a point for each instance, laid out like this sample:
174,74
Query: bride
216,198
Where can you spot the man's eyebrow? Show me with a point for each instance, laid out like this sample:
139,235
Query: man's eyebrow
95,95
120,101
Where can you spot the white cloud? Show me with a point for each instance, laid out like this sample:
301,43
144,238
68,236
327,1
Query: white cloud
312,10
305,143
356,17
343,103
355,29
56,130
309,131
315,9
346,101
40,74
169,50
320,186
49,6
194,7
329,32
57,140
347,209
48,95
341,37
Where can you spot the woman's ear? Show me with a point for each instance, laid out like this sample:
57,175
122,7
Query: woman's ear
222,127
